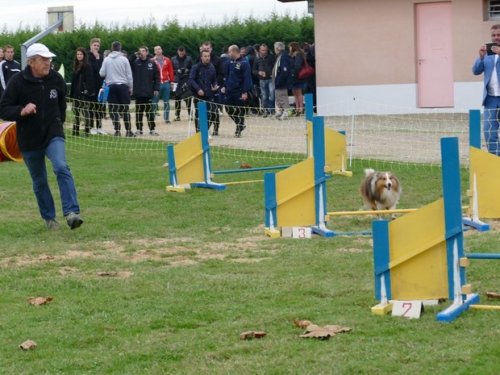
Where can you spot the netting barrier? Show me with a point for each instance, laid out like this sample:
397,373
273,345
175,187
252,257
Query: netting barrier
376,140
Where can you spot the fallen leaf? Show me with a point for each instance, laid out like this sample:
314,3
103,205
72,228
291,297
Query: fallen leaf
37,301
28,345
248,335
302,323
493,295
245,166
321,333
337,329
312,327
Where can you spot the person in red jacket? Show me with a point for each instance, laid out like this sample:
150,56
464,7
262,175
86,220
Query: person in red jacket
166,82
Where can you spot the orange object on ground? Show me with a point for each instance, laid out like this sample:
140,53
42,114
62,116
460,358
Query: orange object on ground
9,150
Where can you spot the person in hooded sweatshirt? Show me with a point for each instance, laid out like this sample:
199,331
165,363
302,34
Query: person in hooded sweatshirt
35,99
117,73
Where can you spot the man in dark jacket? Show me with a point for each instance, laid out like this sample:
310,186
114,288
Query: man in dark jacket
237,85
218,64
36,100
146,85
97,109
182,66
203,84
263,69
8,67
282,78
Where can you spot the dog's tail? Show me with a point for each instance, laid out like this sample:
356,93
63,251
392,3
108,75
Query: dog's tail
369,171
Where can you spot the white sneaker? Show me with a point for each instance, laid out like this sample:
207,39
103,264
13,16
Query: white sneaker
102,131
283,116
93,131
278,115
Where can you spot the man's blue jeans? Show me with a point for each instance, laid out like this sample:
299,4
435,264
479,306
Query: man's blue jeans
164,94
35,161
491,123
267,94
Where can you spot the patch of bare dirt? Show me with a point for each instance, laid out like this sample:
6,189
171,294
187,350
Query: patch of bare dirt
175,252
249,260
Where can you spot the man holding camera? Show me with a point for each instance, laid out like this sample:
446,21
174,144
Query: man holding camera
488,64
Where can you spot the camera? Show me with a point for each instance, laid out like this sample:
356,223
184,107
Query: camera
488,48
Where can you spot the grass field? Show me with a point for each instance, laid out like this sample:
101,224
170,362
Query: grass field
194,270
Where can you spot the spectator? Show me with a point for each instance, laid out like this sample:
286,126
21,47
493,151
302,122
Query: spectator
2,56
203,83
310,52
263,70
83,91
36,100
166,81
146,86
118,75
254,94
298,59
487,63
218,63
182,66
237,85
282,79
8,67
97,110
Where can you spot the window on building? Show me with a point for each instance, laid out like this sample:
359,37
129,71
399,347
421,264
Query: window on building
494,9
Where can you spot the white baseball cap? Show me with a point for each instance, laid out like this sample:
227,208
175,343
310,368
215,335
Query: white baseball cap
38,49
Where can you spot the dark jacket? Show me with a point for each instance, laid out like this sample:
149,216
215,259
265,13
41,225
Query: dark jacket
7,70
297,62
264,64
283,73
238,77
203,77
96,66
83,84
146,78
182,67
35,131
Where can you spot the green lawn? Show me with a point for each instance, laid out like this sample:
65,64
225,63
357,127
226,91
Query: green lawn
194,270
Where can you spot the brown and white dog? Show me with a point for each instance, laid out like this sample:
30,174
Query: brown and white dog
380,190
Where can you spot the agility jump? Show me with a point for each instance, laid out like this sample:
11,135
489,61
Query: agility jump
296,197
484,178
420,256
189,161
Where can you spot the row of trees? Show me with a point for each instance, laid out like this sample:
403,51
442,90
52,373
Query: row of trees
170,35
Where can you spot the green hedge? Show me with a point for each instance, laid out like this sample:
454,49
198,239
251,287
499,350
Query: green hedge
170,35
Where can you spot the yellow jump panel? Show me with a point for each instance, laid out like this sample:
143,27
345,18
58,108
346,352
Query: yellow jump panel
418,254
486,169
294,194
335,151
189,160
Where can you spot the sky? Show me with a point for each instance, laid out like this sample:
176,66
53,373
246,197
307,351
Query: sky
16,13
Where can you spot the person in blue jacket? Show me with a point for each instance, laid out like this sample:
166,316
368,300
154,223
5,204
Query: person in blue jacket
237,87
487,63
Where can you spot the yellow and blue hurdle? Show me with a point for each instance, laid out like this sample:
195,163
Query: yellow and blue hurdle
420,255
484,178
297,196
190,159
